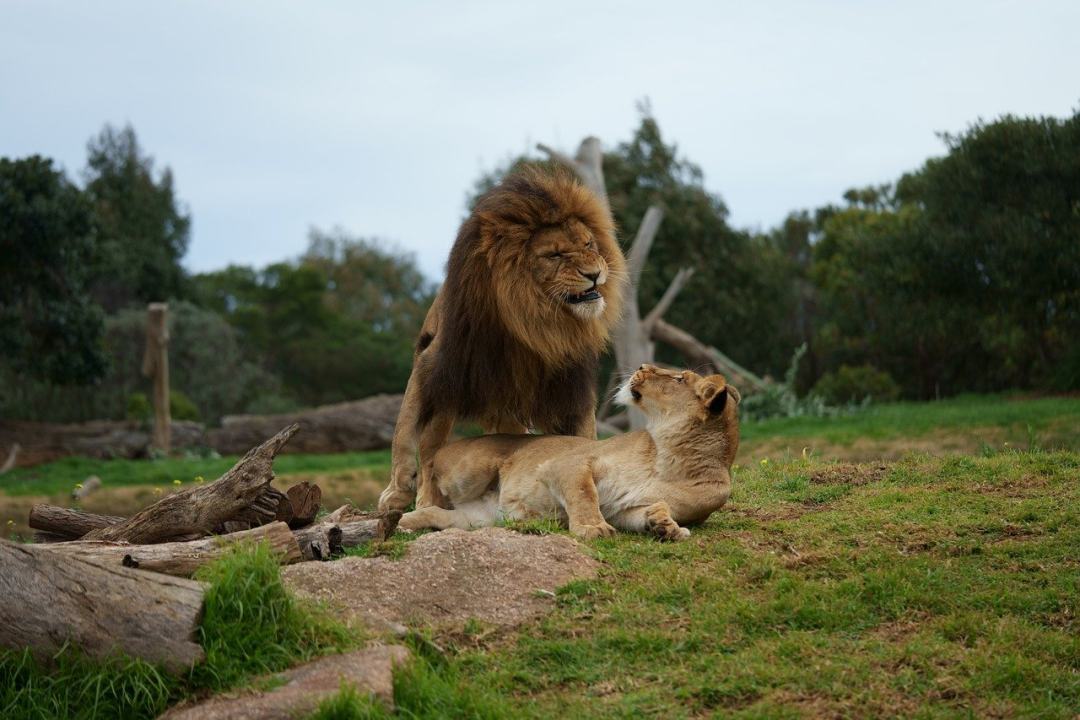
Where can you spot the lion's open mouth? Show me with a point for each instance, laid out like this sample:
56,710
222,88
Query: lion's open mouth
590,295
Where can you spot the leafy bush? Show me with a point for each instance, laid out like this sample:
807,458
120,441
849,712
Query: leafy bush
781,400
141,409
206,368
853,384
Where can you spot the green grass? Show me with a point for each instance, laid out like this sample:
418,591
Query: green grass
250,626
911,418
943,588
61,475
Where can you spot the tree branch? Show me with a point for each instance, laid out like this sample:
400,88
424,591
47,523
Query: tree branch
700,354
676,286
639,250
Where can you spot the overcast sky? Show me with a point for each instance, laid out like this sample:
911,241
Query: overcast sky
377,117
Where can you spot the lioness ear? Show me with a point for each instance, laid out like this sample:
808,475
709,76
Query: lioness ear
714,394
706,391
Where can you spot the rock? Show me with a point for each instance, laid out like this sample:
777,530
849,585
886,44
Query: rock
493,575
304,687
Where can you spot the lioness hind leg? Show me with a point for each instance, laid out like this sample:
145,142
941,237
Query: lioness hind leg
659,522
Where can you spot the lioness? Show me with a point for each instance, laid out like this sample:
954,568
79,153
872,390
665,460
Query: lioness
676,471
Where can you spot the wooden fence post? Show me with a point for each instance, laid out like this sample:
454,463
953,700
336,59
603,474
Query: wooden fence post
156,366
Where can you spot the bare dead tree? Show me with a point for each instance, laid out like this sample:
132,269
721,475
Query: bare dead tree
635,337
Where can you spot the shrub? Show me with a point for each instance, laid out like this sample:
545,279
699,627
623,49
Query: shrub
141,409
781,400
856,384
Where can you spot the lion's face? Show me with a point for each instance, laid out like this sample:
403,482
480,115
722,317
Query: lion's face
665,395
569,269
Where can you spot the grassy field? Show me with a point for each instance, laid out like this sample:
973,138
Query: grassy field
935,585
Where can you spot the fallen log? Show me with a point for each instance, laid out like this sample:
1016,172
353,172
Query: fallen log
366,424
45,442
200,509
319,542
51,599
181,559
70,524
305,499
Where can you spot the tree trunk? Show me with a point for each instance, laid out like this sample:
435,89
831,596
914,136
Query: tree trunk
156,366
181,558
201,509
50,599
704,356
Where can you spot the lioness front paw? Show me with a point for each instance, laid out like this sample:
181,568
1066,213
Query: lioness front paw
591,532
659,522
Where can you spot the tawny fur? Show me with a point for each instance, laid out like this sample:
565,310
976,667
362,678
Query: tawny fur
502,344
676,471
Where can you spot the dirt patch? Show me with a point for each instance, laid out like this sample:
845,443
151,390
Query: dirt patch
849,474
300,690
493,575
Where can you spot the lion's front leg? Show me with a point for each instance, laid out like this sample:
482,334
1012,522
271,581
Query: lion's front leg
577,494
432,437
401,490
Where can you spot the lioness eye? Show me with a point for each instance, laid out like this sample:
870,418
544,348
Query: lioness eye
555,256
679,379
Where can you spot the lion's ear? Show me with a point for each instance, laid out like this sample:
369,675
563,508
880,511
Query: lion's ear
714,393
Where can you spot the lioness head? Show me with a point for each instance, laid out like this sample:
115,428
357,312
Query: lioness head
665,395
543,245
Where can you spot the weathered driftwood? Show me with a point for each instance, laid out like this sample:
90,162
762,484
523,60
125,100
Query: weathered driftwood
50,599
366,424
345,528
305,499
67,523
201,509
182,558
319,542
271,505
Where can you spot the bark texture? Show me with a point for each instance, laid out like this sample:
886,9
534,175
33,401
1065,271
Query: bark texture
51,599
181,559
200,510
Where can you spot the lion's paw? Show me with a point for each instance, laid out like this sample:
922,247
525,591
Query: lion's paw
591,532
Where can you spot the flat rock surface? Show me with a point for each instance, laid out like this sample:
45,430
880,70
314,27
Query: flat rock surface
493,575
370,670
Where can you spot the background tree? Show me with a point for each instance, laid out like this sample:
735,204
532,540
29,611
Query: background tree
143,231
337,324
50,328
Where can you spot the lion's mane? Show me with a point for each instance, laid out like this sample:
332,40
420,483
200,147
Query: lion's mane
505,349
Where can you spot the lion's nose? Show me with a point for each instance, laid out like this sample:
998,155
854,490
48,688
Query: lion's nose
592,276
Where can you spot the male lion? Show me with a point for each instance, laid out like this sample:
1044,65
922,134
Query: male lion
533,286
678,470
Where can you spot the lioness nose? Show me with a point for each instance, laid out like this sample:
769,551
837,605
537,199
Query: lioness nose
592,276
